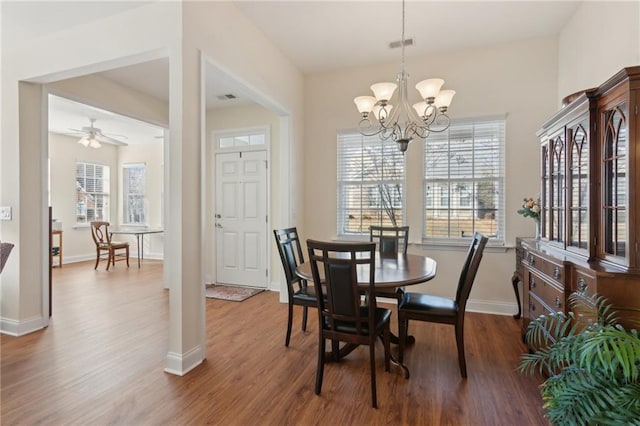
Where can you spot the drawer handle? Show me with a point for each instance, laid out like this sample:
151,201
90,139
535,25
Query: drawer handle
556,272
558,302
532,260
532,307
582,285
532,284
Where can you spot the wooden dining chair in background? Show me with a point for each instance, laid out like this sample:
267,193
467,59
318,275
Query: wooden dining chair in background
341,315
113,249
298,291
425,307
390,241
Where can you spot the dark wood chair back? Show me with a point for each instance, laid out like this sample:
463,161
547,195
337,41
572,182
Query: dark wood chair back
390,240
469,270
339,262
100,233
341,315
298,292
290,250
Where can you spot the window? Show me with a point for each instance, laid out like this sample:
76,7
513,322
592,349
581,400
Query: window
256,138
92,192
133,178
370,183
464,180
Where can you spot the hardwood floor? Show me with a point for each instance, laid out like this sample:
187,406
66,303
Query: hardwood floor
101,361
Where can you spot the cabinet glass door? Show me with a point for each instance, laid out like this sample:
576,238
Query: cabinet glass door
614,169
556,201
578,200
546,190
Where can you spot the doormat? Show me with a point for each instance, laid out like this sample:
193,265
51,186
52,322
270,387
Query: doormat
227,292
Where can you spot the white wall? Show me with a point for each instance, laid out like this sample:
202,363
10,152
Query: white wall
232,119
516,80
600,39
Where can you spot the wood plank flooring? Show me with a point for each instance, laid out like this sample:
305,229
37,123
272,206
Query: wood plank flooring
101,362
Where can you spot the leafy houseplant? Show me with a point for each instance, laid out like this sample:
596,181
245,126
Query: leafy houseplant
592,365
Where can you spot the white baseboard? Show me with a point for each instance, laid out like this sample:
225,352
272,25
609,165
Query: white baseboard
181,364
133,256
492,307
20,328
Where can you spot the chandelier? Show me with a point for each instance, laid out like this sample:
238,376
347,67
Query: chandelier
403,123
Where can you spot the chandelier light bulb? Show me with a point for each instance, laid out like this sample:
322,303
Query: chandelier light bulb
429,88
365,104
443,100
383,91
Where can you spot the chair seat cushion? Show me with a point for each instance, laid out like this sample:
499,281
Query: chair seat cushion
427,304
382,316
305,294
119,244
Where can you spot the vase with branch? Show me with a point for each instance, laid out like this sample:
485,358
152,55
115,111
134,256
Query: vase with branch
531,208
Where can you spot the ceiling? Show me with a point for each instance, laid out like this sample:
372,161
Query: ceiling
317,36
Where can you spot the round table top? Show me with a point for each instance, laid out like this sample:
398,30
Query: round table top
391,271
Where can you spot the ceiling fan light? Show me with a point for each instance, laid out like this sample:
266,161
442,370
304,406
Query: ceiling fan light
94,143
84,141
383,91
430,87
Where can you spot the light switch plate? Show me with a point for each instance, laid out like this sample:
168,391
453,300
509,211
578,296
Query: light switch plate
5,213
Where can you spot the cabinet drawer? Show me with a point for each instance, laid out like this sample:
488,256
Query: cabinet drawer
583,283
551,295
546,267
537,307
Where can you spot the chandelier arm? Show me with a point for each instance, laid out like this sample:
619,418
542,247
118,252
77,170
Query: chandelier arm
366,128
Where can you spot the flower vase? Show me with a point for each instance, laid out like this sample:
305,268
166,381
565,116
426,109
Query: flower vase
538,230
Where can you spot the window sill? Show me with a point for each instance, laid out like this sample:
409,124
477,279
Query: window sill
446,245
462,245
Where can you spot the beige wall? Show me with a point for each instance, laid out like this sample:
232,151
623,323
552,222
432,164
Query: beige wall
516,80
600,39
234,119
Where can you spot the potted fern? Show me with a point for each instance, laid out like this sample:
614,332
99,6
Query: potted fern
592,365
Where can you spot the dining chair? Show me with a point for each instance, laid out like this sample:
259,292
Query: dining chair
341,315
390,240
425,307
113,249
298,291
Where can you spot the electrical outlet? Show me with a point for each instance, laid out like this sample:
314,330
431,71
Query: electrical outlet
5,213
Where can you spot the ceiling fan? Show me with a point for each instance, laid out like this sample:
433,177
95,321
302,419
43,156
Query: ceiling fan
93,137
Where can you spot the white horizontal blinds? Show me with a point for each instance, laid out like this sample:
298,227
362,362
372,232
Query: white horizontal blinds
370,183
134,177
92,192
464,180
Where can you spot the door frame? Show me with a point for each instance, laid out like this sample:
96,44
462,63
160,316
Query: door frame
215,136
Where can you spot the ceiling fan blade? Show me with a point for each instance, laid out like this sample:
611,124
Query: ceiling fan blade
106,139
114,135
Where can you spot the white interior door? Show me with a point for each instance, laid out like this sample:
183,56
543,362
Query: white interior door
241,218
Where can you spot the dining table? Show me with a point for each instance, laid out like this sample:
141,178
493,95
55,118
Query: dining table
139,233
392,271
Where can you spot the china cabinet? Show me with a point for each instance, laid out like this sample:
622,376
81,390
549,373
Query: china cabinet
590,173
